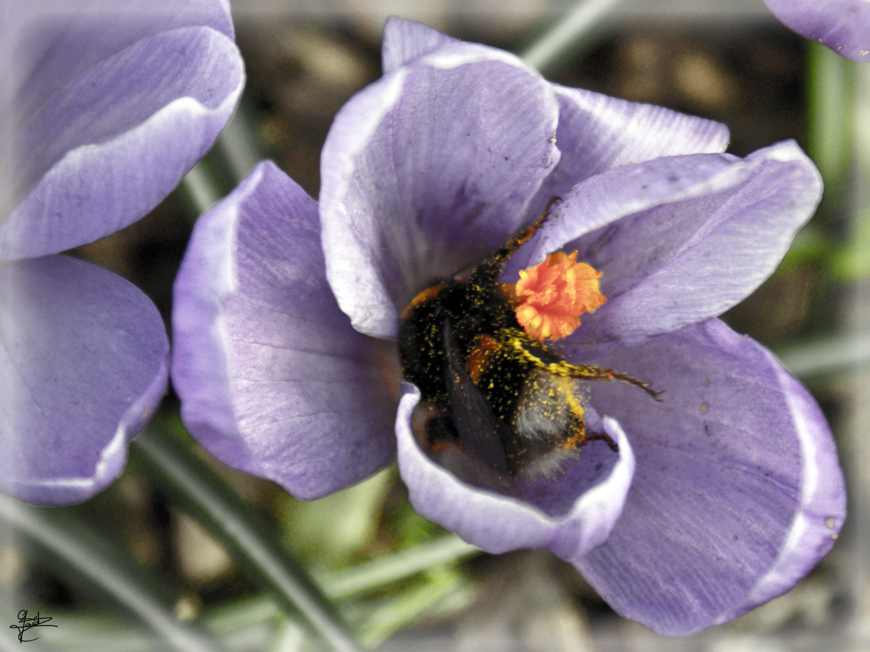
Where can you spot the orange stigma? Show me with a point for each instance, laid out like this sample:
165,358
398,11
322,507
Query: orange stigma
549,298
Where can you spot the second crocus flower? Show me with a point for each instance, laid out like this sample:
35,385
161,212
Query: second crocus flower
106,105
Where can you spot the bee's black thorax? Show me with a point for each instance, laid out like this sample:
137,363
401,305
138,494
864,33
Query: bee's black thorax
471,308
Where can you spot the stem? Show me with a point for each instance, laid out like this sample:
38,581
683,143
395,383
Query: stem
235,153
579,30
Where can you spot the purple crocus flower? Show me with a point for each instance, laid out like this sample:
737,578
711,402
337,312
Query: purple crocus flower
842,25
106,104
722,495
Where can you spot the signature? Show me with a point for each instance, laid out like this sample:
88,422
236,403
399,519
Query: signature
25,623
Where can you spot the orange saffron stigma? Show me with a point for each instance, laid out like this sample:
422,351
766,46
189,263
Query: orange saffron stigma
550,297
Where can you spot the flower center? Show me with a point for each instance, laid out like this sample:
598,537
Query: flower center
549,298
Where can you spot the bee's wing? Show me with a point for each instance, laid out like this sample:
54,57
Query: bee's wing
477,426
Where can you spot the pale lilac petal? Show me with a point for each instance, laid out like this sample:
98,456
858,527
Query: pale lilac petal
52,42
823,502
538,515
406,40
84,361
273,379
737,491
106,149
842,25
428,170
599,133
681,239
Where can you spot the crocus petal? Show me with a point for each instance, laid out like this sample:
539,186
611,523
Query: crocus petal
681,239
428,170
599,133
84,363
107,148
842,25
596,132
737,491
569,516
273,379
405,40
46,44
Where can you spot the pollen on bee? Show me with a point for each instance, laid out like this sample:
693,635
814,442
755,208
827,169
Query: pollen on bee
549,298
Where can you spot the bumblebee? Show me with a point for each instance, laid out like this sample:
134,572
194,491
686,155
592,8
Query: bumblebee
505,398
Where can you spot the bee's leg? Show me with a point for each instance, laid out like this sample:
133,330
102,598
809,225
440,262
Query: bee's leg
506,250
605,437
486,274
580,436
582,372
547,361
